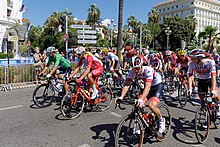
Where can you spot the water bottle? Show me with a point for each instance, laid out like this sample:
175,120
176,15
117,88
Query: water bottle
151,118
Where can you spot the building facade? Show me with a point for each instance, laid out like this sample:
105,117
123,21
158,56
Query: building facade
10,22
206,12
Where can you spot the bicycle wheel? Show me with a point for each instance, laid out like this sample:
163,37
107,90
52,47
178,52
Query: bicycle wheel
129,132
182,95
202,124
165,112
72,105
105,98
43,95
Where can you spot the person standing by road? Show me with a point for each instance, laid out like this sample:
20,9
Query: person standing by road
37,62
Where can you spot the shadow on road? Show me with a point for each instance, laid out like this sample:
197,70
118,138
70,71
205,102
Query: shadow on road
184,130
217,139
101,135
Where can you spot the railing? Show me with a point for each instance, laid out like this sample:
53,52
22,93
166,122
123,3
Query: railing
20,76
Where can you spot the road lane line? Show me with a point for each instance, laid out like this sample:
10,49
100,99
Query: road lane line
115,114
13,107
84,145
199,145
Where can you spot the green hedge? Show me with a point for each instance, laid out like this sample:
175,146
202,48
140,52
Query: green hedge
4,55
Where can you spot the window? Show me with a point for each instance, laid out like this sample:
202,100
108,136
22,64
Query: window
168,8
192,3
176,6
172,7
8,13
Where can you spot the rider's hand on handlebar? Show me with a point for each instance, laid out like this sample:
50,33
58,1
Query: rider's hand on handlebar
214,95
79,80
48,76
118,100
140,103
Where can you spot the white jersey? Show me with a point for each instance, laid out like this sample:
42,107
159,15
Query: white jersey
112,56
147,74
205,71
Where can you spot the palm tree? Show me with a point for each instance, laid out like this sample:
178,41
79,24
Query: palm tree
53,22
133,23
211,36
93,17
153,18
190,25
120,19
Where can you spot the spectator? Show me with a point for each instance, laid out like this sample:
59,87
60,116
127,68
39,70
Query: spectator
44,58
37,62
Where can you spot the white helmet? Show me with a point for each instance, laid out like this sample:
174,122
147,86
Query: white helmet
80,50
51,49
168,53
136,61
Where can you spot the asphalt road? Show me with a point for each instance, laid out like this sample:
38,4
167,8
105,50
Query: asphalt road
24,125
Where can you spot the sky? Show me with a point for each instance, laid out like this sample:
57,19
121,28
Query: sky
39,10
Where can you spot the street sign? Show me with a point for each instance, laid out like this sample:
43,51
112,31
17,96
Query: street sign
87,36
86,32
12,38
80,26
86,41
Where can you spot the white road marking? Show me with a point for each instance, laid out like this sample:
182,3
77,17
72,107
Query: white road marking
199,145
13,107
84,145
115,114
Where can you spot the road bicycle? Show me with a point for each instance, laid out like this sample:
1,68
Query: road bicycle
74,102
139,124
44,94
170,82
205,114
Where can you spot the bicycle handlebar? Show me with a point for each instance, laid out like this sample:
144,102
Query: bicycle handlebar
128,101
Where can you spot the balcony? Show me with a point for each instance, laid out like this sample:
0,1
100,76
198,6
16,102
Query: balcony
10,3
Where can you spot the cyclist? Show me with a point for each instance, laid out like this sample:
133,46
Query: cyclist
206,73
153,87
216,57
170,61
155,63
61,65
94,68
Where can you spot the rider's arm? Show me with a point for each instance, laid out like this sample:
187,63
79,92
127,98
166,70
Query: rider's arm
88,68
213,75
190,74
53,70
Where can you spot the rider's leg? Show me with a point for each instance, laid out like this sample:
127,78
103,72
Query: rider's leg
92,83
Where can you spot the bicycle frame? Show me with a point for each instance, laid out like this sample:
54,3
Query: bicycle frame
80,90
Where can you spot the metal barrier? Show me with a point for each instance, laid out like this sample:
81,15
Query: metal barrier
20,76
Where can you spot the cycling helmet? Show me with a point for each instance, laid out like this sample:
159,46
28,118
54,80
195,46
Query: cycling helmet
182,53
136,61
195,52
168,53
146,51
51,49
200,54
151,52
105,50
80,50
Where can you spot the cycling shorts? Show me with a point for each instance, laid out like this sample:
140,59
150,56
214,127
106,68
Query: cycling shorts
65,71
97,72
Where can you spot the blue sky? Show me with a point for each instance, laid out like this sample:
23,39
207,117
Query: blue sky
39,10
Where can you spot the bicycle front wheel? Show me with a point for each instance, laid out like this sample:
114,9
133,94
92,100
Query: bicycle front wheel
165,112
130,132
105,98
182,95
72,105
43,95
202,124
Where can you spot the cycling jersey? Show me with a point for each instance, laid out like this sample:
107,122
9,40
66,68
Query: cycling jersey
183,63
112,56
217,59
147,74
205,71
91,61
59,61
155,62
171,59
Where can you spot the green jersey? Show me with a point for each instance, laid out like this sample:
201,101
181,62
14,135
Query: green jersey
59,61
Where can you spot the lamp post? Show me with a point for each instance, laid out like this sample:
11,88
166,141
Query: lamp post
111,33
168,32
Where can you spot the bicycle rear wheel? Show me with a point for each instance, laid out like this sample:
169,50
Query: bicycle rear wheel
165,112
202,124
182,95
105,98
72,105
130,132
43,95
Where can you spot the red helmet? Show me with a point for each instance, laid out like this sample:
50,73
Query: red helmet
132,52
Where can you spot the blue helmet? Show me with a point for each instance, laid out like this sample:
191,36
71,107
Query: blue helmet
151,52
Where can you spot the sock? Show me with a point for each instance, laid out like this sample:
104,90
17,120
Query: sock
94,87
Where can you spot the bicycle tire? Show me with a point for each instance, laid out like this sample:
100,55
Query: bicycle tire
182,95
126,135
106,92
165,111
201,137
70,110
43,100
